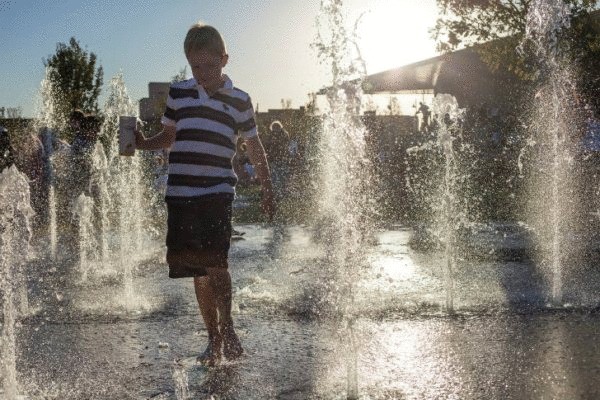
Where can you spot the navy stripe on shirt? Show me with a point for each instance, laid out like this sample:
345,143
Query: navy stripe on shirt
199,181
178,93
201,135
237,103
182,157
170,114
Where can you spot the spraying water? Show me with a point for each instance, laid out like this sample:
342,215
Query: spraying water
83,209
99,184
124,191
48,123
180,378
552,202
109,235
15,234
345,190
439,181
450,215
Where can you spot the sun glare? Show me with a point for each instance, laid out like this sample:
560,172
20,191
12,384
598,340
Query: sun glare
393,33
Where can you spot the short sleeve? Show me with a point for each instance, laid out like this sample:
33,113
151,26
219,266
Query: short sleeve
168,118
246,124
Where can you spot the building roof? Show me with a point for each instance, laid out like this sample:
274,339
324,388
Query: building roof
461,73
428,74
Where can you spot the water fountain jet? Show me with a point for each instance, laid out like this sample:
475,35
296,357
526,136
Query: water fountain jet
15,234
553,204
345,173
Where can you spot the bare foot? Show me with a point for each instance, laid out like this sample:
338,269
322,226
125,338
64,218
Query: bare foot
211,356
232,347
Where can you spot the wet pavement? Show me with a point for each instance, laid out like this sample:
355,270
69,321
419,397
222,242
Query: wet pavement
304,340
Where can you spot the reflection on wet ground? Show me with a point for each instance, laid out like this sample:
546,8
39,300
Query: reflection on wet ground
83,341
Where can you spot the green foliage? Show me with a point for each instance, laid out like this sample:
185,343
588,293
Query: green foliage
181,75
76,79
468,22
496,28
584,38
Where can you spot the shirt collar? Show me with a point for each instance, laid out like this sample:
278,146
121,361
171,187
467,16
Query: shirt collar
227,85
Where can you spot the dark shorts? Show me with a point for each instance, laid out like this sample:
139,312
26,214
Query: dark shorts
198,235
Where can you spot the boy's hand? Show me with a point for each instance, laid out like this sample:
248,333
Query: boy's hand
268,203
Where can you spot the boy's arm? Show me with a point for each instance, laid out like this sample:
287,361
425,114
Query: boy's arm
257,156
162,140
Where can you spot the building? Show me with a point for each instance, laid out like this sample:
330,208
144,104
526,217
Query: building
461,73
153,106
399,91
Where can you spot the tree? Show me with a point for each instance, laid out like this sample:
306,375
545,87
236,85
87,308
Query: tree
498,27
76,78
14,112
181,75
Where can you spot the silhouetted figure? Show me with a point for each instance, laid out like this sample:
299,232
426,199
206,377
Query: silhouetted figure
82,149
6,151
29,158
67,187
425,116
283,155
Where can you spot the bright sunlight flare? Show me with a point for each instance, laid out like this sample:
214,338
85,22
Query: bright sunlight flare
393,33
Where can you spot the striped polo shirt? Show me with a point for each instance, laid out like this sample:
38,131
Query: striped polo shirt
200,159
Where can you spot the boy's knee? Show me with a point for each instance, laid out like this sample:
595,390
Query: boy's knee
202,281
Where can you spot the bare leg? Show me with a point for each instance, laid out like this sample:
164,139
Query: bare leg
208,309
220,281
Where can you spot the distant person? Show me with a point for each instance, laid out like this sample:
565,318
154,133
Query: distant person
68,174
202,117
29,157
6,150
283,156
425,116
249,170
447,120
82,149
239,161
591,132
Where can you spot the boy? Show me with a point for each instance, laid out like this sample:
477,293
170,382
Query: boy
202,119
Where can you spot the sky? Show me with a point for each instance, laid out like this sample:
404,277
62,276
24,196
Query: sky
269,42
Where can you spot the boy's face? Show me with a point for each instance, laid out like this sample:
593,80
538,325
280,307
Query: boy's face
207,68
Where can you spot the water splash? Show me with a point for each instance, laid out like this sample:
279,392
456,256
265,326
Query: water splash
112,215
180,378
552,203
438,179
450,215
47,113
346,189
83,210
47,122
99,185
15,234
124,192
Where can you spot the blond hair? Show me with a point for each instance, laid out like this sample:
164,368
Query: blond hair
204,37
